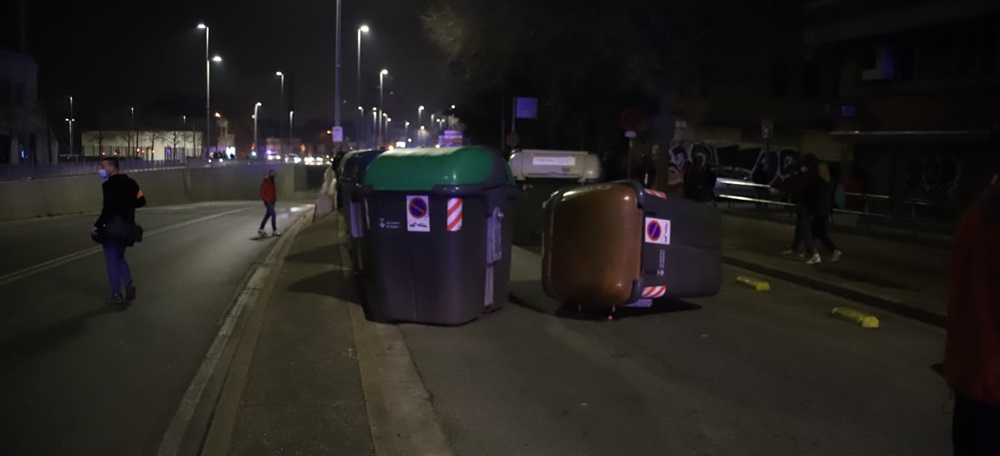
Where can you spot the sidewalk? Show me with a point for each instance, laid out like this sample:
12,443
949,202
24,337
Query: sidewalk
902,278
311,376
295,386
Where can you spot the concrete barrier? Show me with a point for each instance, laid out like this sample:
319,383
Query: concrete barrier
82,193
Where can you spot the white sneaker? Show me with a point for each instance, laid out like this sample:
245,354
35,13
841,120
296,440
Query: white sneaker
262,233
815,259
836,256
276,233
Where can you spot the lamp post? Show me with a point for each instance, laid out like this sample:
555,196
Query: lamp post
291,127
281,107
420,121
362,29
132,128
70,120
381,92
256,109
336,97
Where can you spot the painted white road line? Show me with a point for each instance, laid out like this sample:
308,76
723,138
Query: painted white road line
173,437
56,262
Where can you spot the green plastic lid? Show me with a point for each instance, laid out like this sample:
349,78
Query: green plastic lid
424,169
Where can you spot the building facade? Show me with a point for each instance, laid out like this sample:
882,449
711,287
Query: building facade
145,145
905,95
25,133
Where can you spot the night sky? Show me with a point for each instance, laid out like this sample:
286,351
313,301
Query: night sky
113,54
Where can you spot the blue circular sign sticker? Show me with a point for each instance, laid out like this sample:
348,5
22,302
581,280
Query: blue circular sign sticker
654,231
418,208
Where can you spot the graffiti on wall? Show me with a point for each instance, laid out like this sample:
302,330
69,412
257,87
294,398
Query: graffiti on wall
761,166
933,177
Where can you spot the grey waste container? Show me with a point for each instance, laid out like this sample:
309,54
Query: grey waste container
540,173
437,238
352,172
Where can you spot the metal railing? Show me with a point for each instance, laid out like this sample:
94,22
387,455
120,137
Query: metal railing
41,170
914,213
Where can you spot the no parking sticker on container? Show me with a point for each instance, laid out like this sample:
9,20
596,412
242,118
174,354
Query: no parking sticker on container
657,231
418,217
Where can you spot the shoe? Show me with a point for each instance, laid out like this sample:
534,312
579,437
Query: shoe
275,233
788,253
130,293
116,299
262,233
815,259
836,256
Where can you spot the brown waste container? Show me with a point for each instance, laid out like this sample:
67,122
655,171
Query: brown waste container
613,244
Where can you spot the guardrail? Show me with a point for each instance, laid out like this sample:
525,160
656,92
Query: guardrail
41,170
914,213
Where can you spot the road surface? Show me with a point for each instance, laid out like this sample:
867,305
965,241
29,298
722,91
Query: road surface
82,377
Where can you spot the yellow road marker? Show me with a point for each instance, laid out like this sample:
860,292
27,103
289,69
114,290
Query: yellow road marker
754,283
864,320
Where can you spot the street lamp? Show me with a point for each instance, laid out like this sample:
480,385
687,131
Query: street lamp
362,29
281,108
420,120
336,95
291,126
256,109
70,120
406,129
131,149
208,86
381,83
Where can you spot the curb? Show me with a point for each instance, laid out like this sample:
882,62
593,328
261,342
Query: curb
217,436
868,299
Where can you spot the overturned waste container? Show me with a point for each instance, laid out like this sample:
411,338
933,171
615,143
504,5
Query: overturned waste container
437,238
539,173
352,170
617,244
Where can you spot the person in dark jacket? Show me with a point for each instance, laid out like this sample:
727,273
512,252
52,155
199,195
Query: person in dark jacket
269,194
115,228
972,347
824,208
806,191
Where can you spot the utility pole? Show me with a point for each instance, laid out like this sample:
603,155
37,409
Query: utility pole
336,100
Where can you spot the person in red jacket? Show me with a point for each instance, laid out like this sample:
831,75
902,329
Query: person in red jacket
972,349
269,195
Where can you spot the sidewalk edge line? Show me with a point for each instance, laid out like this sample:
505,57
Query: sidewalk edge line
868,299
258,287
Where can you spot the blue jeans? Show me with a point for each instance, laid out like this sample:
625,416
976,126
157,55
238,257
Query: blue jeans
118,271
269,214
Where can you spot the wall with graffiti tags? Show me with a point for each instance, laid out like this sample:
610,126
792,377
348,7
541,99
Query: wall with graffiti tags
759,165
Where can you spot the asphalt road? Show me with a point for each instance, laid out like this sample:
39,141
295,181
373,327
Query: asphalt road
743,373
84,378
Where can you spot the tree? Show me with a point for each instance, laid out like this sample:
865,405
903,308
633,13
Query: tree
587,60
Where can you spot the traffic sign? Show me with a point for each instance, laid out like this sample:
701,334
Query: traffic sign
338,134
417,214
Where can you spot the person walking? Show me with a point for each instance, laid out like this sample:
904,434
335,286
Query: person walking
820,224
116,229
805,189
972,342
268,193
